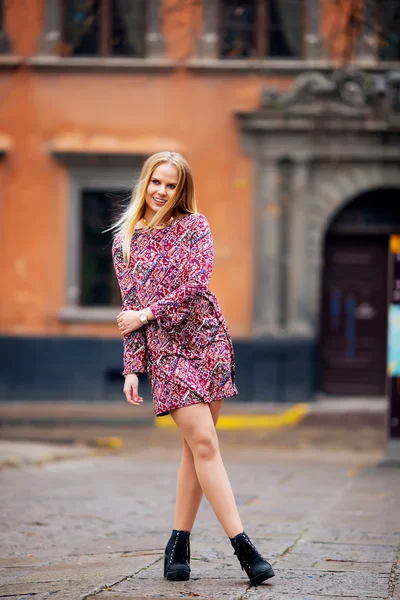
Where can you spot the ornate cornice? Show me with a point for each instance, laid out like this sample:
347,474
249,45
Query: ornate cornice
346,93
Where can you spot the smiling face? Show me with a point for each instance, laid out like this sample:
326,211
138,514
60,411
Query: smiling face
161,188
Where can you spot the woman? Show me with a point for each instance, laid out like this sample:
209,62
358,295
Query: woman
174,330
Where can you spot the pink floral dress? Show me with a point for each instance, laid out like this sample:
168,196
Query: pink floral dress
187,351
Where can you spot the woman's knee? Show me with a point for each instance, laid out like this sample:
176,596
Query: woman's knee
198,429
204,444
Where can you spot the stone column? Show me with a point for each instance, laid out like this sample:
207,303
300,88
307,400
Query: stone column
51,36
208,43
267,214
285,198
314,46
297,284
315,223
368,46
155,42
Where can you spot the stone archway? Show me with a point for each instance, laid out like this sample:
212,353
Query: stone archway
314,149
333,144
328,198
353,307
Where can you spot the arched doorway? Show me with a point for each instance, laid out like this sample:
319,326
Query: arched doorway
354,298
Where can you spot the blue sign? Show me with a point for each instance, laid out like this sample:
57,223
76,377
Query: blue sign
394,341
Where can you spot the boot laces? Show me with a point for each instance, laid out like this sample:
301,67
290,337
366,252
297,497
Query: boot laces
183,552
247,552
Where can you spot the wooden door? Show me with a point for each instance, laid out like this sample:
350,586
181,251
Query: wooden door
354,316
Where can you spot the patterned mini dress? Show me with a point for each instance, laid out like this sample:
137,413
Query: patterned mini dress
187,350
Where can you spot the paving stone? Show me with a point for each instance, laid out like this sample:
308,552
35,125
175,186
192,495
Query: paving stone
110,595
396,591
206,547
44,596
105,568
354,537
29,589
338,585
261,593
339,565
269,528
160,588
224,568
212,594
340,557
71,528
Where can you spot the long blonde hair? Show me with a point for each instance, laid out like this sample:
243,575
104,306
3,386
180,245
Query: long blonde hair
183,200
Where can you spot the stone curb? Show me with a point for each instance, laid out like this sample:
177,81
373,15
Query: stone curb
19,453
343,412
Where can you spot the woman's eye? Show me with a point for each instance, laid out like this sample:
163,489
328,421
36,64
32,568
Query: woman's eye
155,181
172,186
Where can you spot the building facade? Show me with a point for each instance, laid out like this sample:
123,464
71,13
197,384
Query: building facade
296,165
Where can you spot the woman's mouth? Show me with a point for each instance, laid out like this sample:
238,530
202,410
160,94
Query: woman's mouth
159,201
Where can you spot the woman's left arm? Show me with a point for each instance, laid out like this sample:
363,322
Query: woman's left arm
171,310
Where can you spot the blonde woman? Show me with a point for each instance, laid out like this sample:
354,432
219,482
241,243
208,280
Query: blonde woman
174,330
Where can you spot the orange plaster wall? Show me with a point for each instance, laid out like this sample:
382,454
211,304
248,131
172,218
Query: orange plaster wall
192,112
340,35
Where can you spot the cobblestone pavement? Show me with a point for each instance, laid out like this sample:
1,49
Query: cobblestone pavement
95,528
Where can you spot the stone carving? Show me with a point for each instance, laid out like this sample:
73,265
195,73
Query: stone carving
346,88
269,97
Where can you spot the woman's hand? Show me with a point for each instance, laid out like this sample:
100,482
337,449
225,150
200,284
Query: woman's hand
128,321
131,390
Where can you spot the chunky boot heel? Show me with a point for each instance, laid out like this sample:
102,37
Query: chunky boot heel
177,556
257,568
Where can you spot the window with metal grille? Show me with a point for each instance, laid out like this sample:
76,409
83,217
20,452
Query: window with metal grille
262,28
103,27
389,30
99,286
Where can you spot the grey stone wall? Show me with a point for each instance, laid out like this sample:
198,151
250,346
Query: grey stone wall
336,152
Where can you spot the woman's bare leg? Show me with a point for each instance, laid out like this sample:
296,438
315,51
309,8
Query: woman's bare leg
197,427
188,489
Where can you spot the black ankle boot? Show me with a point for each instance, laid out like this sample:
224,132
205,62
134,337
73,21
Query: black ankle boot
177,556
256,567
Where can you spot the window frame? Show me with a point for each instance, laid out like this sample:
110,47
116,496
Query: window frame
80,178
262,43
105,19
380,20
48,55
88,252
5,46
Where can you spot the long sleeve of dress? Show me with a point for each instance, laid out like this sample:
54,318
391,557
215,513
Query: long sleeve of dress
134,353
171,310
134,343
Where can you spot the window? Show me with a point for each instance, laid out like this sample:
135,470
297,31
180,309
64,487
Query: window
390,30
262,28
100,186
103,28
4,41
99,286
